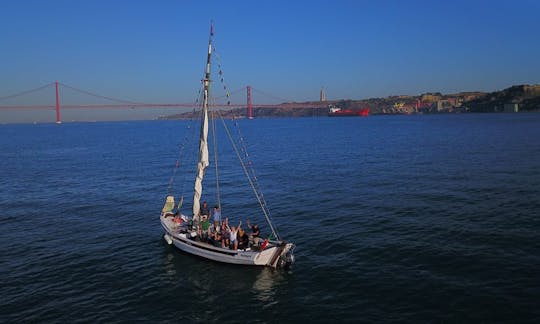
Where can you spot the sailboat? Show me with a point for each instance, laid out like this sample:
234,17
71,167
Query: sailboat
187,232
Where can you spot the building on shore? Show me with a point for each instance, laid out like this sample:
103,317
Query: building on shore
511,107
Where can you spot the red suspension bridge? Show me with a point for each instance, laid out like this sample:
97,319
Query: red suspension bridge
115,103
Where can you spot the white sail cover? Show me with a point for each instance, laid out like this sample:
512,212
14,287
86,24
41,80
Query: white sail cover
203,161
169,205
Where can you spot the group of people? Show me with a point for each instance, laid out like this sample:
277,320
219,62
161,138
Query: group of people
220,233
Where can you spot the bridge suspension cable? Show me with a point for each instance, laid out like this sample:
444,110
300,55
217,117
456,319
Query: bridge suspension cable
122,103
99,96
27,91
270,96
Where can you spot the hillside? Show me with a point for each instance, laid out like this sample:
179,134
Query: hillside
526,96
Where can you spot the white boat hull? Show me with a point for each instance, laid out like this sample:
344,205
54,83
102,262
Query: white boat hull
273,256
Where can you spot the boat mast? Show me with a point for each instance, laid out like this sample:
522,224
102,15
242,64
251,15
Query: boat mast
203,161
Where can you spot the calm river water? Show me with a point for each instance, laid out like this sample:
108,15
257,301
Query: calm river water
432,218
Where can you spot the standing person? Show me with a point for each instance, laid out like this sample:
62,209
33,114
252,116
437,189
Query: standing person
204,210
225,234
233,236
217,216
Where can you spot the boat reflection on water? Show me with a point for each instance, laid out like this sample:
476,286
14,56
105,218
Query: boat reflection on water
266,284
170,268
209,283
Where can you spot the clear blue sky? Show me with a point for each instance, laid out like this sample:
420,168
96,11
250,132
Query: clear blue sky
154,51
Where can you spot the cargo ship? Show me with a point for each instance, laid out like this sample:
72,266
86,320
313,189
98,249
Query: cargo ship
334,111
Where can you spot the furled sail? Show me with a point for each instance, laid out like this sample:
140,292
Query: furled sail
202,164
203,142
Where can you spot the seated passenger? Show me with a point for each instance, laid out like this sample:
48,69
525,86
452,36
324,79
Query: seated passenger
254,237
204,229
243,239
216,236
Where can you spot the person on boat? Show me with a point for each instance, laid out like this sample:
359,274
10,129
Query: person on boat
216,216
233,236
216,235
255,233
204,228
204,210
225,234
243,239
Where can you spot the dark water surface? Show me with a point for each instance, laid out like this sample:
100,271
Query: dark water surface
398,218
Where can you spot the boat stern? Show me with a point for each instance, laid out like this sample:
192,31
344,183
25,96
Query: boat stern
283,256
287,257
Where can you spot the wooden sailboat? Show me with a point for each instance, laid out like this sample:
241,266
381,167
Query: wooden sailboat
184,231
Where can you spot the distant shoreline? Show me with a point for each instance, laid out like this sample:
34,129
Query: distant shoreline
519,98
515,99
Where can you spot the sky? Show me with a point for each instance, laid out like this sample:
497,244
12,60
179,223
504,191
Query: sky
155,51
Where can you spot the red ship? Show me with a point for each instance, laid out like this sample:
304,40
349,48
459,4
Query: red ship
338,112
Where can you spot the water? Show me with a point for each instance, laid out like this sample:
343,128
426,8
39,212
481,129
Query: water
396,218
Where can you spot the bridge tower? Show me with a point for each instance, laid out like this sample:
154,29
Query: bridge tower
249,103
58,121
